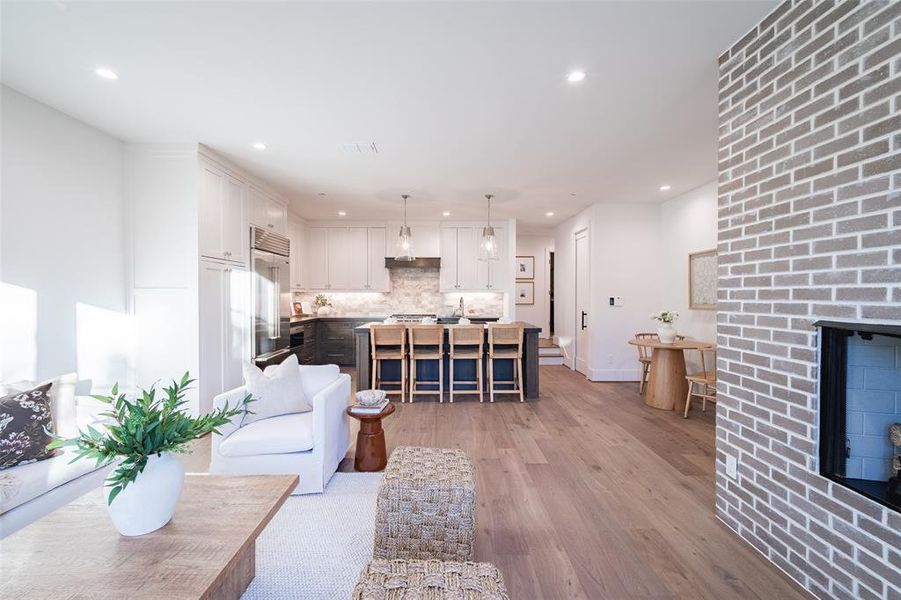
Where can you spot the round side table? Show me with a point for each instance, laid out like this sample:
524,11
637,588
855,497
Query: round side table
371,454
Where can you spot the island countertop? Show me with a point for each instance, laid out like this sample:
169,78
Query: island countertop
428,370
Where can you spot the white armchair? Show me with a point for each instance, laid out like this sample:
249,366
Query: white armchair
309,444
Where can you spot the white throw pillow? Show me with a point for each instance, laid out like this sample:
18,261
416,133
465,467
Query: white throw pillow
280,393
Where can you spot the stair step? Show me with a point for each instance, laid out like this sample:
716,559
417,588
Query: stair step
550,360
550,351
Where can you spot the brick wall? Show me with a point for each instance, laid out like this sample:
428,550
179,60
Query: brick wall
809,227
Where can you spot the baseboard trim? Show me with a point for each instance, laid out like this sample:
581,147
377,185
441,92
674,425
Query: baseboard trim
613,375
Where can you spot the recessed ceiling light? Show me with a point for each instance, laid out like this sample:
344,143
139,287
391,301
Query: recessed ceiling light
446,213
106,73
342,213
665,187
259,146
549,214
576,76
321,194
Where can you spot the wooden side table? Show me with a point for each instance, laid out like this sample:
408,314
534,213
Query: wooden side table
371,454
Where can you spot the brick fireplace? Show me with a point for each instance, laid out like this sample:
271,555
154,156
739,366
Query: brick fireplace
809,229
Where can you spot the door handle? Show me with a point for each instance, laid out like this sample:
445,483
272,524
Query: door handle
584,314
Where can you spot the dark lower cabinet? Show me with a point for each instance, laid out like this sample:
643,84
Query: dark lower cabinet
335,341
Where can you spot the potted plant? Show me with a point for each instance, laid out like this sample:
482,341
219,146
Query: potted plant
146,434
323,305
665,330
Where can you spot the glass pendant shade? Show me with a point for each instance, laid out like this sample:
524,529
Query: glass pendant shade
404,244
488,243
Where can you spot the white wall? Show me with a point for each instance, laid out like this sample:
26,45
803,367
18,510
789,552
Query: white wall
687,224
564,280
539,247
62,259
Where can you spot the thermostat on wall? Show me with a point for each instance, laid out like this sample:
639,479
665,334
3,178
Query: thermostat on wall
616,300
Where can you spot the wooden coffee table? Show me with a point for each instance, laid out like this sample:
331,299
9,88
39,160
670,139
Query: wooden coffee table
371,454
206,551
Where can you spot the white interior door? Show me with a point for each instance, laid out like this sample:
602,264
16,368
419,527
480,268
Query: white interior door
583,273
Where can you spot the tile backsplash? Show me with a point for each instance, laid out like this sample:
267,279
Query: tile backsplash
412,291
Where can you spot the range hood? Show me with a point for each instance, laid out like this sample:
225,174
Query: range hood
416,263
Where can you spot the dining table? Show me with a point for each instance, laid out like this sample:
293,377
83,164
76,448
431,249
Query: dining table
667,387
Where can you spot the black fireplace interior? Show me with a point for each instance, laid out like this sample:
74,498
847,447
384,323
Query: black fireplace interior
860,408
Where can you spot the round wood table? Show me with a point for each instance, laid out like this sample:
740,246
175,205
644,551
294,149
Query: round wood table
667,387
371,454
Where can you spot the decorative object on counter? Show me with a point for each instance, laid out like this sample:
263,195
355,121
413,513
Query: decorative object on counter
525,267
525,292
665,331
323,305
404,238
369,398
702,280
488,244
298,308
144,488
463,321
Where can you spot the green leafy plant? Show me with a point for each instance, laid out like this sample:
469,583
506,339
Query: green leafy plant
142,428
666,316
321,300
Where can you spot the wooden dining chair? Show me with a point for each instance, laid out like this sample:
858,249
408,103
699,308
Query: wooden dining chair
389,342
644,359
702,384
505,343
465,342
426,343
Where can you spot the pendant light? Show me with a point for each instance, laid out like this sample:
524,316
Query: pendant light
404,238
488,244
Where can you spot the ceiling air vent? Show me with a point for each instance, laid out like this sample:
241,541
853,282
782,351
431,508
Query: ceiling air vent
360,148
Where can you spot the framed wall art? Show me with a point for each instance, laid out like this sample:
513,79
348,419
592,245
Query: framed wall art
525,267
525,292
702,280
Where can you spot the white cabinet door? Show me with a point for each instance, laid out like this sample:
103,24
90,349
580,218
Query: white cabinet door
377,276
469,276
268,212
211,344
447,278
316,258
212,181
235,326
499,270
356,262
296,236
277,216
235,238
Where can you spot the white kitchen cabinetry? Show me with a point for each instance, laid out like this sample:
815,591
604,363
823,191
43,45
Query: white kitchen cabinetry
426,239
461,269
345,259
377,279
222,216
296,234
315,259
268,212
224,300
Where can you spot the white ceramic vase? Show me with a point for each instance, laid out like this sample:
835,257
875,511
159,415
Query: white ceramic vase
666,333
324,311
147,503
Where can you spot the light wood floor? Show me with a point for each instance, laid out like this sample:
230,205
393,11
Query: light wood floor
588,493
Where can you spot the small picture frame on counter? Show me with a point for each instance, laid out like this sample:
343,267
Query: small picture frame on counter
525,268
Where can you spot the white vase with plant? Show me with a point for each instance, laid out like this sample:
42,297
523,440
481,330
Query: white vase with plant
145,434
323,305
665,331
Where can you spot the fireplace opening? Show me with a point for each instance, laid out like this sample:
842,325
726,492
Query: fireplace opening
860,408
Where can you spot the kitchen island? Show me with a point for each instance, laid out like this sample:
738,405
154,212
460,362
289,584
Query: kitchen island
464,370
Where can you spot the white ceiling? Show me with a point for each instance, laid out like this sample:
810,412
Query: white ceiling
461,98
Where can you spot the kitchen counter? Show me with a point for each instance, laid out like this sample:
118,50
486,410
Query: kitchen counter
464,370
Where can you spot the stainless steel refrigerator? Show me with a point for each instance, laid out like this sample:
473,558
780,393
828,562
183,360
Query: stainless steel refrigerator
271,279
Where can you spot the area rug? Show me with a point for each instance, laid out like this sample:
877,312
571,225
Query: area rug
317,545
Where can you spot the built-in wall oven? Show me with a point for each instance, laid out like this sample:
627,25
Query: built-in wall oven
270,257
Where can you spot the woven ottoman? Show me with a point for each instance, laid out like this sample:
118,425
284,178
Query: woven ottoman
430,580
426,506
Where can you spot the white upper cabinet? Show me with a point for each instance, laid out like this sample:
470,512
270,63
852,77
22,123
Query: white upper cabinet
315,258
461,269
268,212
447,278
222,217
426,239
347,263
377,275
296,236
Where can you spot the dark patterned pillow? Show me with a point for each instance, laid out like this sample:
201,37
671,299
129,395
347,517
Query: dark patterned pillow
24,425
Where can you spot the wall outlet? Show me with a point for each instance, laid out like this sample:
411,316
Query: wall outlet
610,359
612,301
731,466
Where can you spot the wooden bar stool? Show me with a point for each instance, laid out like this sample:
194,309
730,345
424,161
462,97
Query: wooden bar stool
389,342
466,343
505,343
426,343
705,380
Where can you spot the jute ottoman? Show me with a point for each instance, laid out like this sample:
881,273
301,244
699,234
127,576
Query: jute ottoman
426,506
430,580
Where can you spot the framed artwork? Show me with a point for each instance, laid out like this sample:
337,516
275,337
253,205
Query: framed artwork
702,280
525,267
525,292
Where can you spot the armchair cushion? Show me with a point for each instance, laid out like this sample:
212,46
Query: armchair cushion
276,392
276,435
